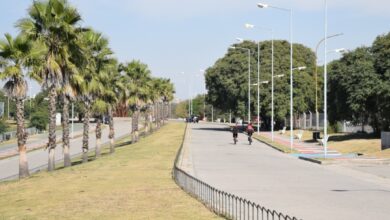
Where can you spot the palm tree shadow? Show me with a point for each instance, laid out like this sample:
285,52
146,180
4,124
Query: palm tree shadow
212,129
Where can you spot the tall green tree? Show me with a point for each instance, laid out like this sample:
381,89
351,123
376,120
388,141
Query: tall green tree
353,87
227,80
18,54
54,23
381,53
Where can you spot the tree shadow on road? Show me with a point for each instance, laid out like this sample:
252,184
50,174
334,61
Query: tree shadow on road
212,129
360,190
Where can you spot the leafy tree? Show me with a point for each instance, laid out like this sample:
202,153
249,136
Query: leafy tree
353,87
381,53
39,120
3,126
227,80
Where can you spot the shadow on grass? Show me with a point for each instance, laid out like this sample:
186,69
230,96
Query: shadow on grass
347,137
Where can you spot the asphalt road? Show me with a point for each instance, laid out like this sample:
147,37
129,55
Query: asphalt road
38,139
10,167
282,182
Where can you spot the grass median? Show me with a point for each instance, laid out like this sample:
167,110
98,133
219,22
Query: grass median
133,183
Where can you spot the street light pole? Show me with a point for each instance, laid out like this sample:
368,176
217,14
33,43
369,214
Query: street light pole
316,75
258,88
261,5
326,83
251,26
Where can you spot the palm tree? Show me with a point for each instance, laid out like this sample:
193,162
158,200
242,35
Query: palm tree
138,81
54,23
167,96
98,54
17,54
164,93
114,88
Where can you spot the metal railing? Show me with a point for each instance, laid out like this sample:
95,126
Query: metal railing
222,203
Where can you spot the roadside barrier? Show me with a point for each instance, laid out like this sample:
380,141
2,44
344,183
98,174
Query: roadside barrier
222,203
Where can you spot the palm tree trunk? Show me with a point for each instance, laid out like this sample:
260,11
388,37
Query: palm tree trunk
86,131
146,124
98,136
156,112
111,134
52,128
22,136
134,127
65,131
137,124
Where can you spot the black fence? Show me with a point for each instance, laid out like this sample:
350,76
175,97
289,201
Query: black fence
222,203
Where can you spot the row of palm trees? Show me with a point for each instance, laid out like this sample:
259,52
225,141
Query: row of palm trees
74,63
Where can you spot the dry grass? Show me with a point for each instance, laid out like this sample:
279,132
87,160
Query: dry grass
134,183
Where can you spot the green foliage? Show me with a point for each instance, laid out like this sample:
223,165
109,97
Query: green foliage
3,126
39,120
359,86
227,80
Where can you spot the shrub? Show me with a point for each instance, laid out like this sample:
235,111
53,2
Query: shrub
39,120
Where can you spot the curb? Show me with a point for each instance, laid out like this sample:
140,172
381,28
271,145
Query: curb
269,145
311,160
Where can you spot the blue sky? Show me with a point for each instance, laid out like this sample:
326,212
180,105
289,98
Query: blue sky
183,36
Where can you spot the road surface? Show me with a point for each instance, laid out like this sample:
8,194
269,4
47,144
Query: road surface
10,167
38,139
282,182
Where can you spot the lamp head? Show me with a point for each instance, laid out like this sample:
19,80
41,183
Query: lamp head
340,50
301,68
262,5
249,26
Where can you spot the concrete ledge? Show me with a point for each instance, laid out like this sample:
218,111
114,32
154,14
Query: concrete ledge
311,160
270,145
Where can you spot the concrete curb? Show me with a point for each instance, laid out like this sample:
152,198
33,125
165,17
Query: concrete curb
311,160
269,145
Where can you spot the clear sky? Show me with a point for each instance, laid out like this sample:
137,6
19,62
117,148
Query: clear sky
184,36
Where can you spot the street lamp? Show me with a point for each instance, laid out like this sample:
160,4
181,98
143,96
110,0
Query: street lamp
316,75
249,77
262,5
251,26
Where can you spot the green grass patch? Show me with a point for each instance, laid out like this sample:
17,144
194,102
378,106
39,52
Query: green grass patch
133,183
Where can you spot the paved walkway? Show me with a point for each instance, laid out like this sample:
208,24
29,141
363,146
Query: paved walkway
282,182
10,167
